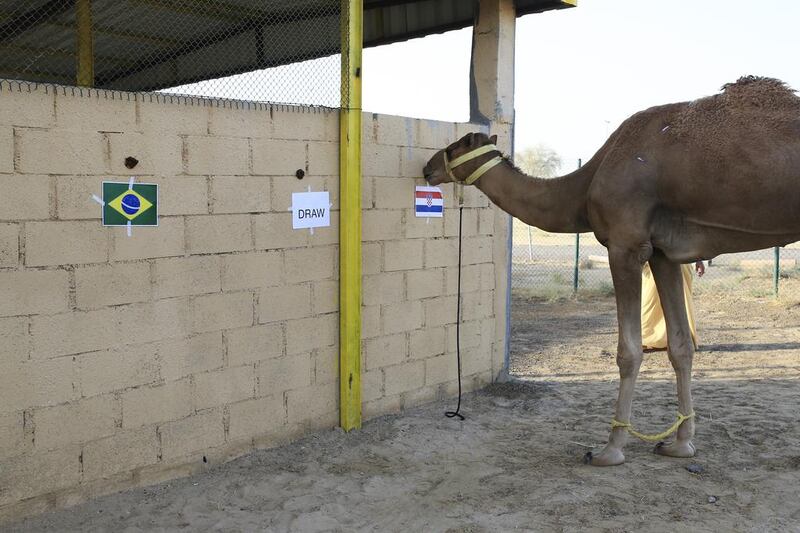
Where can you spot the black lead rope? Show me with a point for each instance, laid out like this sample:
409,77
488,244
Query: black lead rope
456,413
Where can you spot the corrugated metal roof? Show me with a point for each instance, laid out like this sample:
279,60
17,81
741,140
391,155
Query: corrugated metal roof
154,44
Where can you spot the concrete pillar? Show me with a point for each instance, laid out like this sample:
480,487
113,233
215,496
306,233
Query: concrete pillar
492,104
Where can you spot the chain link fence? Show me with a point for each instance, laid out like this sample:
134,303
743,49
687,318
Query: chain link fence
553,265
276,51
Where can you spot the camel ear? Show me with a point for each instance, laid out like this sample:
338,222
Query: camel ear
493,139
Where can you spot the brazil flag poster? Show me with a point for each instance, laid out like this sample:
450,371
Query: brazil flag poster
130,204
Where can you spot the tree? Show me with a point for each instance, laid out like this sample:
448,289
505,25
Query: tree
540,161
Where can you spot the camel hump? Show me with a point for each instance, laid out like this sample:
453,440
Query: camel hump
760,91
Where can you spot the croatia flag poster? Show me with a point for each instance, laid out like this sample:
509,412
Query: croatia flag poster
429,201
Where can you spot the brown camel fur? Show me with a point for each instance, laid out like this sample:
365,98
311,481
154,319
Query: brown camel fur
673,184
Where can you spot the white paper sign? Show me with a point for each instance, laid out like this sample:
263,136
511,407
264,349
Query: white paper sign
311,210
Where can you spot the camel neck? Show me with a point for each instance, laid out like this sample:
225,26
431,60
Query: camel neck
555,204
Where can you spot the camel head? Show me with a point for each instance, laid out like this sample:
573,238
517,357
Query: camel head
440,167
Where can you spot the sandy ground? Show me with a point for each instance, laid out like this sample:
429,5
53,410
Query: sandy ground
515,463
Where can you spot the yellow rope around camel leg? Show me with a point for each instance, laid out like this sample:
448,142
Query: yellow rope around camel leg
652,438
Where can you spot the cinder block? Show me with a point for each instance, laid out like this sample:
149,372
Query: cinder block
161,116
300,123
381,224
223,311
325,297
240,194
284,302
67,333
119,283
440,311
152,405
475,361
313,404
65,243
370,321
82,421
396,131
32,292
94,112
184,276
284,186
435,134
218,233
307,334
368,125
123,452
403,378
273,157
252,270
117,369
370,258
441,369
469,223
250,121
422,396
326,365
37,383
221,387
39,473
60,151
383,288
9,245
427,283
323,158
470,279
274,230
371,385
486,221
477,250
32,109
441,253
196,433
182,357
380,160
227,156
182,195
157,154
74,197
385,351
14,339
284,373
309,264
477,305
13,441
327,235
6,149
164,241
488,279
413,160
258,343
367,193
404,316
473,197
403,255
153,321
424,228
24,197
394,193
252,418
425,343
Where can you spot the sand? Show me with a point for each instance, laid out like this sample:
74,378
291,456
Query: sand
515,463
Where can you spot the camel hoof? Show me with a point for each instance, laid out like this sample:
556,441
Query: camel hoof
680,449
604,458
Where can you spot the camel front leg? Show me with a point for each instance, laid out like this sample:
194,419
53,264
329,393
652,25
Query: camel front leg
669,281
626,272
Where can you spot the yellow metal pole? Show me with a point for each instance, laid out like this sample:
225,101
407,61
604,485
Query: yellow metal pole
83,16
350,217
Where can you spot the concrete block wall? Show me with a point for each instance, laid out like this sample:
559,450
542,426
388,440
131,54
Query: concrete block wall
125,361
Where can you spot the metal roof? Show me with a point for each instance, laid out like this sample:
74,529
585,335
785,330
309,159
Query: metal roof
154,44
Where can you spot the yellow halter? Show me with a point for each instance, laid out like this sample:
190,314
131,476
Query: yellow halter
469,156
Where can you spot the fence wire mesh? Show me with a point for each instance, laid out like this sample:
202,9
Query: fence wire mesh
282,51
552,265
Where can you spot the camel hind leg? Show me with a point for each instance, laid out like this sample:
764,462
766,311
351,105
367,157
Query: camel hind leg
669,282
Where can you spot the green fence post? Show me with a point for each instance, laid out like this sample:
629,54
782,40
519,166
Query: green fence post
577,257
776,274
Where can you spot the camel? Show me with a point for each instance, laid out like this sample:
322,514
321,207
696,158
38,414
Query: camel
673,184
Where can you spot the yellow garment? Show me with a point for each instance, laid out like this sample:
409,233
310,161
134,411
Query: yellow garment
654,328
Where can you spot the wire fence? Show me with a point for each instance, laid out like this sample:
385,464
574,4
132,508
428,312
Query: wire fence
553,265
277,51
